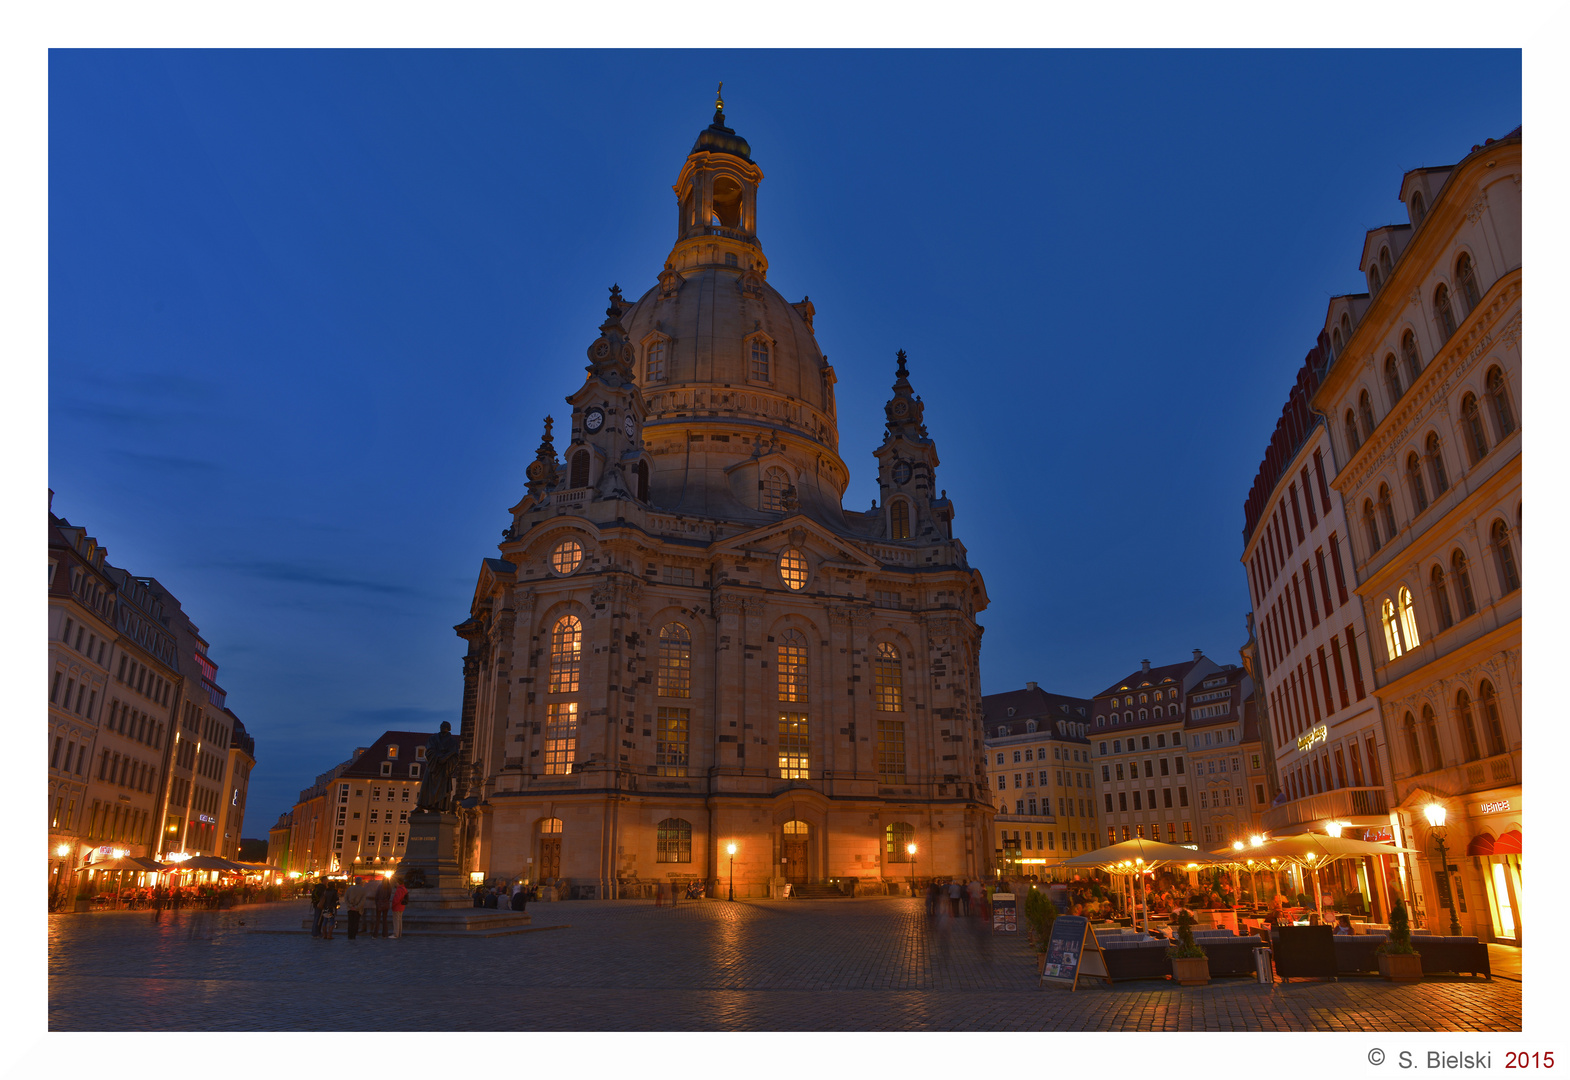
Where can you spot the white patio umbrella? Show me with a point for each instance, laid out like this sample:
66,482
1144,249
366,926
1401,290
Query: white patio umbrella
1136,856
1314,850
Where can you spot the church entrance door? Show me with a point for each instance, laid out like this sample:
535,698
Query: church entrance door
794,851
550,857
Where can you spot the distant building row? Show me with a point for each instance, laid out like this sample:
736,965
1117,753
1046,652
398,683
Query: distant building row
144,755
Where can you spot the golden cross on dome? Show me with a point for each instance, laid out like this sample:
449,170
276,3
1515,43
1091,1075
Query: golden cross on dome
719,102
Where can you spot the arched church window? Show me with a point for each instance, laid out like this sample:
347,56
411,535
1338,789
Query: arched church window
1443,312
1365,411
654,363
1414,366
791,662
1393,378
675,672
642,473
566,654
1418,210
1466,277
1414,482
759,371
899,520
580,470
1498,396
1472,426
1436,586
772,488
1469,741
727,203
887,687
1436,465
1462,577
1504,556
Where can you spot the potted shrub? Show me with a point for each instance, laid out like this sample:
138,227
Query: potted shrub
1040,913
1398,961
1190,965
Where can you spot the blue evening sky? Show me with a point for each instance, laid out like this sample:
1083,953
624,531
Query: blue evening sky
306,310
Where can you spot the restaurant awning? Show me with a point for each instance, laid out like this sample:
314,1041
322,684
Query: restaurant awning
1151,852
1481,844
1508,843
1323,848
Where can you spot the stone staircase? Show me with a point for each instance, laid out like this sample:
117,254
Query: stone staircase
815,892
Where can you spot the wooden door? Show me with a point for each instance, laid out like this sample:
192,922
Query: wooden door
550,857
796,860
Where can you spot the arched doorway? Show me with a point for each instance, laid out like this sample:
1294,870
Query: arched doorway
793,851
550,849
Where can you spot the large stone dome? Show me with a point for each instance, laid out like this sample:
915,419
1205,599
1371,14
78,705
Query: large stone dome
725,343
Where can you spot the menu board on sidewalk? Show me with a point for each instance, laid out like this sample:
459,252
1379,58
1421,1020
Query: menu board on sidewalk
1072,950
1003,914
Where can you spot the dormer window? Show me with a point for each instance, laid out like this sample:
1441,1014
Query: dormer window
392,751
414,768
1418,210
1030,725
758,365
1011,710
772,490
1003,731
419,752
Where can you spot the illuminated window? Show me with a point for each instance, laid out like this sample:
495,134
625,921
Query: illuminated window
791,660
891,750
675,672
897,837
561,736
1408,618
671,742
899,520
886,682
567,557
759,371
673,841
550,826
1387,616
566,655
655,363
772,489
793,746
793,569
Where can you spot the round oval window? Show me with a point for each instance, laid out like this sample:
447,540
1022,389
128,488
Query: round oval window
567,557
793,569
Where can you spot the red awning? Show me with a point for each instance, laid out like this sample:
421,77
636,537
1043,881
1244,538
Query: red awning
1481,845
1508,843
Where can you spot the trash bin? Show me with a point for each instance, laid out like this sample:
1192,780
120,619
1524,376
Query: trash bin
1262,967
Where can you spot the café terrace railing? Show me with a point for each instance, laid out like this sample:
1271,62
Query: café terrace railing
1339,804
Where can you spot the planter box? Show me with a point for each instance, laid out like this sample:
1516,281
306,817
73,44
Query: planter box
1191,971
1398,968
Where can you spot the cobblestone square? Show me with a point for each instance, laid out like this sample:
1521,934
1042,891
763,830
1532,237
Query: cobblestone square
856,965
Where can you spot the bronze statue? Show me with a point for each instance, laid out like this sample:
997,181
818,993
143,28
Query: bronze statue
437,794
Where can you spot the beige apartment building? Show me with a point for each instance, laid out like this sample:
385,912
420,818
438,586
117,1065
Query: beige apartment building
687,643
1421,390
1038,758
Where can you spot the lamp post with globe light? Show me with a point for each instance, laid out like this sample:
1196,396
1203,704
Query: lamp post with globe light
1435,813
730,849
910,849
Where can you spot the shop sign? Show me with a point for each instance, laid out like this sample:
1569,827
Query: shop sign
1500,807
1307,740
206,819
1375,836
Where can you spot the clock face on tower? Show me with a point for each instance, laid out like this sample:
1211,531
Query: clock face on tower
593,420
628,426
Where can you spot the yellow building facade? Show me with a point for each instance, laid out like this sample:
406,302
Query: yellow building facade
688,644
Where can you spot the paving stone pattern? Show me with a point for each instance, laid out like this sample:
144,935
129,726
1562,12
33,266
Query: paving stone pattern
860,965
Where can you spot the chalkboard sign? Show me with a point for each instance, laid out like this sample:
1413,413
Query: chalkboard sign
1072,950
1004,920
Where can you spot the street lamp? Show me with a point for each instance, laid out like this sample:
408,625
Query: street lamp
1435,813
730,849
1237,845
910,849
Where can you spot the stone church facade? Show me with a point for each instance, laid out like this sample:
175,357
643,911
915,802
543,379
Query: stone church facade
687,643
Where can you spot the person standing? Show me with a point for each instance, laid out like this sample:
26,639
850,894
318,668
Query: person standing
954,895
399,897
354,900
973,897
329,911
384,893
932,898
317,891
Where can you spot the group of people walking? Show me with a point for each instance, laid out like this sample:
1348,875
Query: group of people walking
964,898
380,908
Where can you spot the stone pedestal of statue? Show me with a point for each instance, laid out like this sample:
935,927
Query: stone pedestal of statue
445,905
